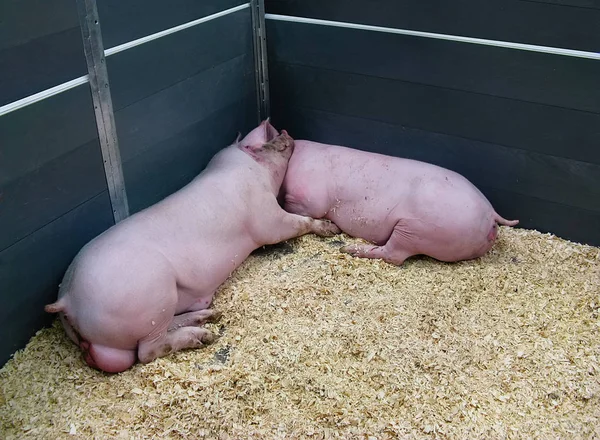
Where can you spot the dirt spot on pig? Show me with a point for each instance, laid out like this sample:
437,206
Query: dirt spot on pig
276,250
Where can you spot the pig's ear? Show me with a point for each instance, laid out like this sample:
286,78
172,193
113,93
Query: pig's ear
237,139
270,131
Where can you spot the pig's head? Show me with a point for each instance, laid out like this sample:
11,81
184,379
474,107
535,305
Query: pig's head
269,148
259,136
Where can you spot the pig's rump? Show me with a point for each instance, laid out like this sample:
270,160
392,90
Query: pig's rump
437,215
127,284
117,295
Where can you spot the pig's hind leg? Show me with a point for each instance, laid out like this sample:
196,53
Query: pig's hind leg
183,332
194,319
395,251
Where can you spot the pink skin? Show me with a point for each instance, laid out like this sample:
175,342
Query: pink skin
142,289
404,207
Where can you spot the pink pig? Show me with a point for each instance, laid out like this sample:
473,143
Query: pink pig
142,289
404,207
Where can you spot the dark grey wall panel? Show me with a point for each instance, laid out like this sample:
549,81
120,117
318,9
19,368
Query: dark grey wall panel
45,130
33,57
50,162
54,188
25,20
532,22
595,4
529,76
146,69
534,188
124,21
31,270
540,128
167,166
170,111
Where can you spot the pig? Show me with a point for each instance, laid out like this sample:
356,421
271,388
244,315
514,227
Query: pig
142,289
402,207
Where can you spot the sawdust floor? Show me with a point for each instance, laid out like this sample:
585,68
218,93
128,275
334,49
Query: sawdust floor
316,344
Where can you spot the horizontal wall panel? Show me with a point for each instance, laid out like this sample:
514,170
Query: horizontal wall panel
534,127
170,111
146,69
528,76
124,21
54,188
519,184
41,64
41,132
25,20
167,166
564,181
532,22
31,270
595,4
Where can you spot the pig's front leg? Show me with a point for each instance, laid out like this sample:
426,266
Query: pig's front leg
183,332
285,226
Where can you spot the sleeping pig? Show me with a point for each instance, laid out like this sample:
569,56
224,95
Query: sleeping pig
142,289
403,207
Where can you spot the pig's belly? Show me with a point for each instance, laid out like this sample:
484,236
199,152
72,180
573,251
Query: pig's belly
356,221
201,272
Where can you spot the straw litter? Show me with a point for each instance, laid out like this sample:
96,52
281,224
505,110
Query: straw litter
316,344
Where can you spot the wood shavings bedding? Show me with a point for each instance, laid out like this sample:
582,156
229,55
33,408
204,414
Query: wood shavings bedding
317,344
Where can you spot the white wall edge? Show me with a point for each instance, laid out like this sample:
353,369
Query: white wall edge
471,40
16,105
147,38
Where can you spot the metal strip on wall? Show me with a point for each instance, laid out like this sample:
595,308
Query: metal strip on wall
105,118
458,38
260,58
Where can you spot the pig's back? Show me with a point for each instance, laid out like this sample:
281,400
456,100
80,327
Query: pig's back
352,188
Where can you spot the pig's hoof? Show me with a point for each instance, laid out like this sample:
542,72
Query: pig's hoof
350,249
327,228
209,315
357,250
208,338
194,319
